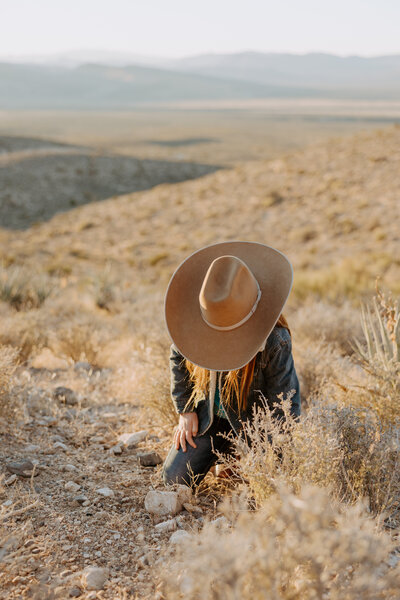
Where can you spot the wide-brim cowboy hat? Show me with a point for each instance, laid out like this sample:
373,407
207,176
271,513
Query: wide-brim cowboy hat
223,301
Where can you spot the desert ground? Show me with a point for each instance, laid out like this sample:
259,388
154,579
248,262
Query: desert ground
96,213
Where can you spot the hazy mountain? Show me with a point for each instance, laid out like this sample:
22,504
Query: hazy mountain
75,58
318,70
246,75
101,86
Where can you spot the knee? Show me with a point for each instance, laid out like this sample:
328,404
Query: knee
170,475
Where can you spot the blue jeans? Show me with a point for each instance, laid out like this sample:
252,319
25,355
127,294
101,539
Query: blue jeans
179,466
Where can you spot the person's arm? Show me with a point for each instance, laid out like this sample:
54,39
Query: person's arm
281,377
181,389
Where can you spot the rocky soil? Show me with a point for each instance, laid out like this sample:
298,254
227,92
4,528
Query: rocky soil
76,496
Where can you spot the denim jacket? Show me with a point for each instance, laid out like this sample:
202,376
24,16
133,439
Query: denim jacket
274,373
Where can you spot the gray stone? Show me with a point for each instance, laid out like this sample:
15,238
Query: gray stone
23,468
81,500
130,440
94,578
169,525
185,493
162,503
106,492
178,536
60,445
71,486
66,395
149,459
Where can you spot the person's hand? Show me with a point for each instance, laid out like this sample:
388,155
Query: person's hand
186,429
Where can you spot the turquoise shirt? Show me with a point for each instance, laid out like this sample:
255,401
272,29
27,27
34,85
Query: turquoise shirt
218,406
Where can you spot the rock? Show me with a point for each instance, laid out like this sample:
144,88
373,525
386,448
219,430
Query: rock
23,468
83,366
60,445
169,525
178,536
185,493
162,503
116,449
130,440
94,578
32,448
221,522
75,592
192,508
105,491
81,500
47,421
12,479
69,467
65,395
71,486
149,459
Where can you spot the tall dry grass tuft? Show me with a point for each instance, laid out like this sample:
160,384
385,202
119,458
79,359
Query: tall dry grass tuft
153,380
379,357
297,547
22,289
81,340
8,364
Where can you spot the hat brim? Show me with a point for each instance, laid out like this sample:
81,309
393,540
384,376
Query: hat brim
225,350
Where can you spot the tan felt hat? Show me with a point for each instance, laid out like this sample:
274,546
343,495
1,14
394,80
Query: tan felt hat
223,301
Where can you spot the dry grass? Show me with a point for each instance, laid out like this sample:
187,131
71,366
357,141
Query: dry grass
22,289
296,547
8,364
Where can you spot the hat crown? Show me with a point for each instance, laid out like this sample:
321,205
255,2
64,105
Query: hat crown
229,293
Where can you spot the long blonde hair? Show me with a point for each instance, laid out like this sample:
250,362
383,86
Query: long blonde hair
236,385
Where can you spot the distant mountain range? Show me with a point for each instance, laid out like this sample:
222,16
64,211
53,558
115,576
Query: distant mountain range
103,80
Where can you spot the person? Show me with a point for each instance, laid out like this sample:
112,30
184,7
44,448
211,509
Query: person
231,350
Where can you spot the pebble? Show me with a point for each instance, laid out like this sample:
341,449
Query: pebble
23,468
60,445
69,467
32,448
47,420
65,395
221,522
162,503
169,525
94,578
130,440
116,449
83,366
82,500
12,479
71,486
105,491
149,459
179,536
75,592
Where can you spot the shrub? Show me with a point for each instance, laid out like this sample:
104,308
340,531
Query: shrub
23,290
343,449
297,547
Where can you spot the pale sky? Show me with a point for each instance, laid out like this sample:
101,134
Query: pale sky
174,28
